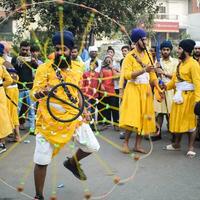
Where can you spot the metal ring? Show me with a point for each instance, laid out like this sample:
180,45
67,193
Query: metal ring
52,95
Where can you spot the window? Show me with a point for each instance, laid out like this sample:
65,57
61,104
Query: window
161,9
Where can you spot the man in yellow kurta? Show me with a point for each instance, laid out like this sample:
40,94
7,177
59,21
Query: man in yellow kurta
12,92
5,123
51,134
186,83
137,110
166,68
196,56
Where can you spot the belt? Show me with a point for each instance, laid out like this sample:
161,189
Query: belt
1,85
188,91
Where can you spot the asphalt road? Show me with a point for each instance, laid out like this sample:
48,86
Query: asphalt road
162,175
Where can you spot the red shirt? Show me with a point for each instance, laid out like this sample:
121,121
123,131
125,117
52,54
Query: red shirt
107,81
91,84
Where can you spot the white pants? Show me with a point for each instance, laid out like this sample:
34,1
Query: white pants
83,137
43,151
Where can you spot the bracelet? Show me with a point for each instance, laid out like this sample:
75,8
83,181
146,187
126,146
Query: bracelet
39,95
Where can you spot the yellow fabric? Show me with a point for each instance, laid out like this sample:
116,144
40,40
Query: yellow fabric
137,110
57,133
182,117
5,123
78,66
1,61
168,67
13,93
121,78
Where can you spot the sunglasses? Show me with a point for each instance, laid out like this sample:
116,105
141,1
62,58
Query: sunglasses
60,48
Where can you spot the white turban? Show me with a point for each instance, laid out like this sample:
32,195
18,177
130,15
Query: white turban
92,48
197,44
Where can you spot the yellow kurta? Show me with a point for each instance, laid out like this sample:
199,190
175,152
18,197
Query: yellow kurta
5,123
137,109
182,117
57,133
121,78
168,67
13,93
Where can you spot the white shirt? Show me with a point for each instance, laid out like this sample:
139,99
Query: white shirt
87,65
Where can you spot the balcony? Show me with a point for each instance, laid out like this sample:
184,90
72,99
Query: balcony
163,16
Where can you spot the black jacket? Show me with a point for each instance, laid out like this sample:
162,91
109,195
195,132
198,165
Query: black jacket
25,72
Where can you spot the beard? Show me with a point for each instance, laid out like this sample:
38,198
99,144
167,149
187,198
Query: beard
61,63
196,54
141,48
182,56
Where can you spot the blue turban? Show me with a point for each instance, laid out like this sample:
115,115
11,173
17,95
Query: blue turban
2,49
137,34
68,39
187,45
166,44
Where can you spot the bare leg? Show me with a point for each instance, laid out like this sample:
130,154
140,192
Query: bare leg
191,139
39,176
178,137
17,134
79,155
125,148
159,119
167,118
138,142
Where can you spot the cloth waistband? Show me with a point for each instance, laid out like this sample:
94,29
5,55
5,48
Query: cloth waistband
184,86
180,88
12,86
141,79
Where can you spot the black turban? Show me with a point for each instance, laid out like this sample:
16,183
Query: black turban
187,45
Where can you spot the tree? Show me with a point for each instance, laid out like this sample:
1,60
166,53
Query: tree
76,18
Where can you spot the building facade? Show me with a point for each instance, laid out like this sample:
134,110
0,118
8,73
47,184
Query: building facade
177,19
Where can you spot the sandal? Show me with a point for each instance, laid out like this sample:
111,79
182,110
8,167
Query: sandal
171,148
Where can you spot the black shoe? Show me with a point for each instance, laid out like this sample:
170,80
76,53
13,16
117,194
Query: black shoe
122,135
2,148
75,169
92,127
155,138
32,133
38,197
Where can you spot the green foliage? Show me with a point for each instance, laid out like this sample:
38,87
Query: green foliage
127,12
